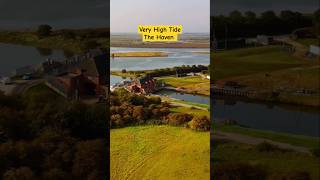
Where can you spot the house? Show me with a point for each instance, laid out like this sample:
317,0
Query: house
86,79
143,85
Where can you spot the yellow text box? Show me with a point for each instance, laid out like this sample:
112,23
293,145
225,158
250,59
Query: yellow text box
160,33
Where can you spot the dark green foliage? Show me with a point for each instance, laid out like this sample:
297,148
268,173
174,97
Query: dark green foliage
178,119
44,30
202,123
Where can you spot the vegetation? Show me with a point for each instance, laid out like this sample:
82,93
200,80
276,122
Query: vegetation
159,152
177,71
297,140
130,109
241,161
250,24
139,54
43,136
70,40
193,84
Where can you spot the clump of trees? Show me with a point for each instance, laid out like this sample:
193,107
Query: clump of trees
250,24
131,109
43,136
44,30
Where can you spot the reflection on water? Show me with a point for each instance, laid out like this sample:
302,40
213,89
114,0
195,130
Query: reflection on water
186,97
176,57
271,117
117,79
16,56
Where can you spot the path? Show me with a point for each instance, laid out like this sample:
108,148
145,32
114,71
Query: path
254,141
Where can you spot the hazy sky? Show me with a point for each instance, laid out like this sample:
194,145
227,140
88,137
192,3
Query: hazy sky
57,13
225,6
126,15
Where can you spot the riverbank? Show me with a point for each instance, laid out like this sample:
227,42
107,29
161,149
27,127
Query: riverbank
273,73
139,54
70,40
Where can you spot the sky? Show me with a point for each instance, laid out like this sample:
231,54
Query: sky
193,15
57,13
219,7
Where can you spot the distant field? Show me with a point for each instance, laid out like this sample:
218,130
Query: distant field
193,84
248,61
159,152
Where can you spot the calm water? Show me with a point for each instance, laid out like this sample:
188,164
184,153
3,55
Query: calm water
278,118
177,57
15,56
116,79
186,97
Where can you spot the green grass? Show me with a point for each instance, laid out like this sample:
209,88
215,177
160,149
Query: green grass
206,106
193,111
275,162
194,84
297,140
248,61
159,152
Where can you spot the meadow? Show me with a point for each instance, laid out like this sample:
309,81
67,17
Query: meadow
159,152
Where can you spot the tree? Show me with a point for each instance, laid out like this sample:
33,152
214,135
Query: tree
44,30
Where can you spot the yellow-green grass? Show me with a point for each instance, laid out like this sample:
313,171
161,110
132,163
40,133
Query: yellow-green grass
185,103
297,140
249,61
274,162
139,54
190,110
193,84
159,152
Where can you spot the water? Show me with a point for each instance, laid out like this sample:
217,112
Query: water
279,118
177,57
117,79
16,56
186,97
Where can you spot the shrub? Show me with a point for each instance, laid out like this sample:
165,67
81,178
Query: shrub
316,152
200,123
178,119
267,147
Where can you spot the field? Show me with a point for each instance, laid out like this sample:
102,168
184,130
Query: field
309,41
275,163
139,54
194,84
159,152
250,61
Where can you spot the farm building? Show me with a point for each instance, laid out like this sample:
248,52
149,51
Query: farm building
314,50
264,40
143,85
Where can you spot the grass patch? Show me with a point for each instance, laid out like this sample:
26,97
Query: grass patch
194,84
247,61
159,152
193,110
275,163
297,140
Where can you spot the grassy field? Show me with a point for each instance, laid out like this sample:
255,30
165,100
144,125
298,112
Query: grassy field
250,61
194,84
139,54
297,140
275,163
159,152
193,111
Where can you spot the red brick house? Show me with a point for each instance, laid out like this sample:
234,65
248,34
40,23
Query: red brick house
143,85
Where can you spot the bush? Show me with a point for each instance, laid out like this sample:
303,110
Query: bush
178,119
316,152
267,147
202,123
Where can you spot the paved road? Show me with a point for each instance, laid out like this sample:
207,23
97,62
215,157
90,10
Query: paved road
254,141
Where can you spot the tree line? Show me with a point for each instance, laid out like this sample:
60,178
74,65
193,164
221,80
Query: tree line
249,24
